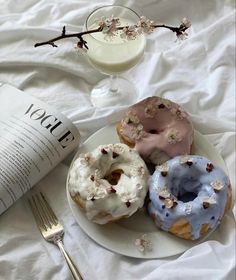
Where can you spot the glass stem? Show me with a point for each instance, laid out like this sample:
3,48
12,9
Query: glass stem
113,84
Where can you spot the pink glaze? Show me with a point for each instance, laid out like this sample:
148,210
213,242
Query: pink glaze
157,123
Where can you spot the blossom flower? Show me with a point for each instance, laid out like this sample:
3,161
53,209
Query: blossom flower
145,25
143,243
186,22
109,25
129,32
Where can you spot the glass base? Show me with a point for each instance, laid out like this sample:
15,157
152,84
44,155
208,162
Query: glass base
124,93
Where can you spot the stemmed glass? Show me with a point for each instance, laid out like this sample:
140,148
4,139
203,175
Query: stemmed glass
113,56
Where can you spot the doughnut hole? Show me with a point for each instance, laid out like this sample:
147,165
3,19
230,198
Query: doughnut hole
114,177
187,196
153,131
185,190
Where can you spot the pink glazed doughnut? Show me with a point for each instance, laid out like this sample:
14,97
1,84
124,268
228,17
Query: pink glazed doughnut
157,128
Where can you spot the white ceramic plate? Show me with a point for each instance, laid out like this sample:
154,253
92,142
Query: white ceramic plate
119,237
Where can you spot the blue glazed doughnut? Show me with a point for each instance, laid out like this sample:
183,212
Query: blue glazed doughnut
188,196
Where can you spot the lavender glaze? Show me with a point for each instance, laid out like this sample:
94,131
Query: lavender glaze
197,188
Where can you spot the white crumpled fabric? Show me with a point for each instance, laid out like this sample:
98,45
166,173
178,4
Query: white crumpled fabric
198,73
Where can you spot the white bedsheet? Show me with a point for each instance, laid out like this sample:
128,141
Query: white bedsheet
198,73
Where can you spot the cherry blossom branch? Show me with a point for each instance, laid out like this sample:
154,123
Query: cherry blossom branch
109,27
64,36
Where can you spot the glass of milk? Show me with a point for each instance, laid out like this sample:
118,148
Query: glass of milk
113,56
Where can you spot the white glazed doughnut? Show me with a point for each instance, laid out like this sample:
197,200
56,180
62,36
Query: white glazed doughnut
108,183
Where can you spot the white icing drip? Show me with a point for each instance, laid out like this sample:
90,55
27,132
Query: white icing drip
88,182
188,208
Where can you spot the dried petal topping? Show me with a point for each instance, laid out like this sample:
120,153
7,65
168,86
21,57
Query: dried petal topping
167,103
205,204
169,203
217,185
115,155
189,162
110,190
127,196
84,159
163,193
161,106
180,113
207,201
183,159
131,117
174,136
209,167
104,151
162,168
128,204
118,149
138,171
95,192
136,134
150,111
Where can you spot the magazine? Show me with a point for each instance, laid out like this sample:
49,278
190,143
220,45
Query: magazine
34,138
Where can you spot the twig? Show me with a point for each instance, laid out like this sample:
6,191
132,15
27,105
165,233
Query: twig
178,30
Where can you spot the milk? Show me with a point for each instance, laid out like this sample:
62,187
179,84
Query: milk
114,55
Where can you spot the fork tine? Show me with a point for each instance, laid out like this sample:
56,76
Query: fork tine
41,211
38,218
48,210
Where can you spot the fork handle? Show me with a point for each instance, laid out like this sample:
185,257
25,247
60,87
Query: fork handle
74,271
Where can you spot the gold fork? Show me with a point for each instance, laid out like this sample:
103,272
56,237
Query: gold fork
50,228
